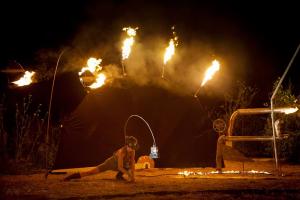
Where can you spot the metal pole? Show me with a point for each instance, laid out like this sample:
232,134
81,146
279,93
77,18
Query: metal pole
196,93
272,108
123,68
49,111
163,72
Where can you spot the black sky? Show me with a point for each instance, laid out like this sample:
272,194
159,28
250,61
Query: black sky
267,33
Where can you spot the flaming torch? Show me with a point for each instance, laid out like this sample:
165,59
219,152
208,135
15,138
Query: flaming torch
209,74
93,65
170,50
95,79
100,80
25,80
127,44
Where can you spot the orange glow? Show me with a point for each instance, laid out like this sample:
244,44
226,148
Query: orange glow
25,80
210,72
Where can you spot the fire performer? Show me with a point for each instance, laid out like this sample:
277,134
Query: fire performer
122,161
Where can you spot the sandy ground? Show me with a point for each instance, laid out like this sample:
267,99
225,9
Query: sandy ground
161,183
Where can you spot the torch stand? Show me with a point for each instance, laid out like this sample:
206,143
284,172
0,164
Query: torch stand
123,68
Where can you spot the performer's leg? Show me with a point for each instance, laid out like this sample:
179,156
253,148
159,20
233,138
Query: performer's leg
108,164
92,171
72,176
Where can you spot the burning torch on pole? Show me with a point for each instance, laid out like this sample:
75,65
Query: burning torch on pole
127,44
209,73
96,78
26,79
170,50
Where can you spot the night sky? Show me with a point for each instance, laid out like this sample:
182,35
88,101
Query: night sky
255,40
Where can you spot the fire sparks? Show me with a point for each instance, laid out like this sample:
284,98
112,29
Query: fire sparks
210,72
25,80
191,173
128,42
96,79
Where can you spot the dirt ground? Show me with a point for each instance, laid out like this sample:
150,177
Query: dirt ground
161,183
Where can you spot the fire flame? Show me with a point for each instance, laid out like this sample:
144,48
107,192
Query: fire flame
100,80
191,173
288,110
170,50
93,66
26,79
128,42
210,72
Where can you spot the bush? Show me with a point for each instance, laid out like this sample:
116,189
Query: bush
31,151
289,149
3,133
